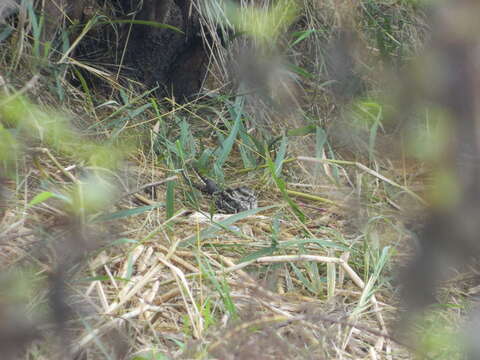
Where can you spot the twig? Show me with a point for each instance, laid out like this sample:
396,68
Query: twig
367,170
153,184
311,197
196,319
56,162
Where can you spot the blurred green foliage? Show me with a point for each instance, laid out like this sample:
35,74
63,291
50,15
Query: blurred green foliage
263,25
23,122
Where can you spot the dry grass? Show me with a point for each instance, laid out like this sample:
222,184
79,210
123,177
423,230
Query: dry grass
161,295
94,266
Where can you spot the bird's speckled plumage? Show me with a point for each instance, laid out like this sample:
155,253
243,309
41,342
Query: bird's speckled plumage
230,200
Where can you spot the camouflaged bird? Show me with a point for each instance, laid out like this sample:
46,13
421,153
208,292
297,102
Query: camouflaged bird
230,200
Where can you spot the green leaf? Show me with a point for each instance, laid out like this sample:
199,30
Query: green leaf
202,161
122,241
281,156
302,131
142,22
369,288
111,119
320,139
303,279
222,287
136,112
39,198
227,145
36,27
218,173
302,35
43,196
258,254
187,140
130,264
335,172
151,355
300,71
208,313
247,148
170,199
312,268
84,85
180,150
320,242
261,146
275,230
283,189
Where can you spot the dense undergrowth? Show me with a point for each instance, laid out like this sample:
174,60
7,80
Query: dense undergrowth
110,251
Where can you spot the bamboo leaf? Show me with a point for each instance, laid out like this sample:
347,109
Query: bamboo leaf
170,199
281,156
227,145
39,198
258,254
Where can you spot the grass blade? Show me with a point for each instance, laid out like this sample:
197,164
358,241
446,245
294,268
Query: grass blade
221,286
301,35
227,145
303,279
170,198
281,156
322,243
217,226
283,189
320,139
248,157
142,22
258,254
45,195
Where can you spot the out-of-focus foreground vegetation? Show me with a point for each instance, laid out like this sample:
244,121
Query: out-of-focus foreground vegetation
353,121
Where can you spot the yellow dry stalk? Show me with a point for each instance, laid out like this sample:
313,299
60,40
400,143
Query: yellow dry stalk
265,25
